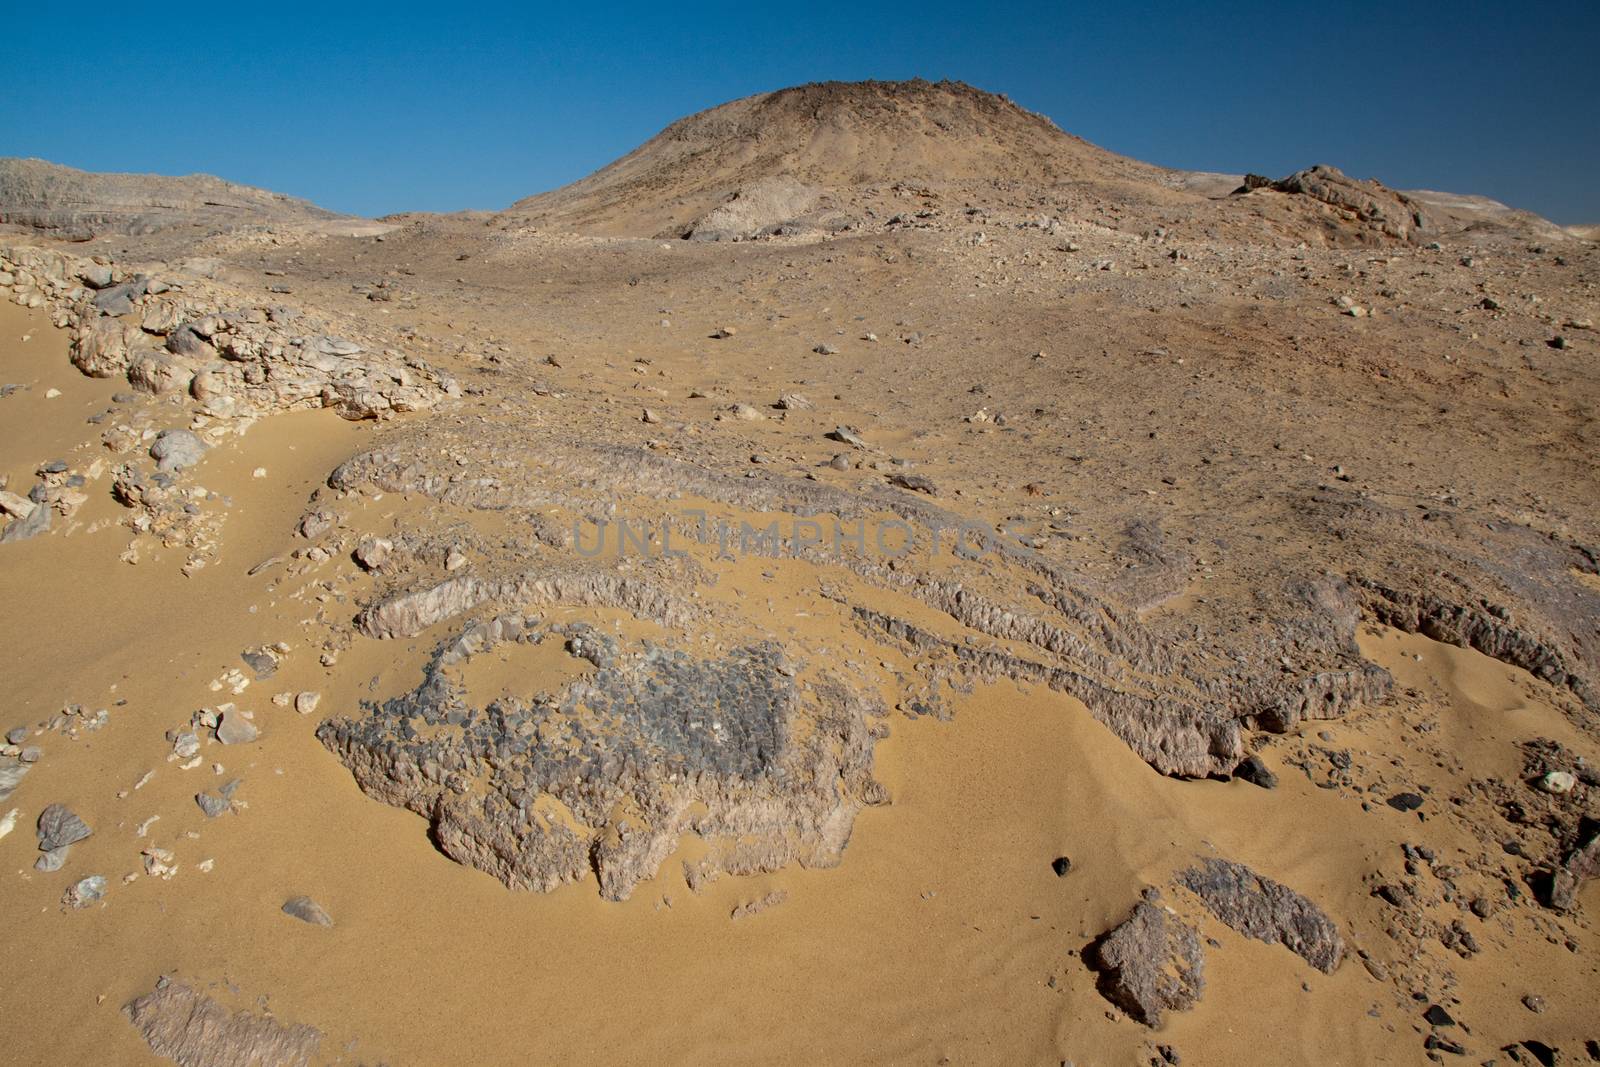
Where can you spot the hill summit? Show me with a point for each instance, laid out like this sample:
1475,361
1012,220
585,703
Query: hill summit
781,151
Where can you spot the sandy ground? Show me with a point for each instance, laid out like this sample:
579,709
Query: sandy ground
944,936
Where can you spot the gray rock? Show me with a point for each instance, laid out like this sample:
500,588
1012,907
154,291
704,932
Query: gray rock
1267,911
212,804
263,663
11,775
31,754
915,482
335,346
118,299
84,892
846,435
59,827
235,729
52,860
307,910
37,522
192,1029
1150,964
1581,864
175,450
17,735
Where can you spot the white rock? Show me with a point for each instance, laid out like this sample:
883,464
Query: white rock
1558,782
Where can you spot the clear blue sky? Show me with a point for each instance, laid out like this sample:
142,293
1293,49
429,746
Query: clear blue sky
448,106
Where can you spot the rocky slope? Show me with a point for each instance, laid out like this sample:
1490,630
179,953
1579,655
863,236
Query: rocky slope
49,199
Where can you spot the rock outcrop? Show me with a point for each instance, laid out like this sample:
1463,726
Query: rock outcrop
606,775
76,204
190,1028
1371,204
1151,963
1266,910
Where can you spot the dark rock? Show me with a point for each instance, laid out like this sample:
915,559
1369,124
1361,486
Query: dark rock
1266,910
59,828
1405,801
1251,769
1062,865
1437,1016
118,299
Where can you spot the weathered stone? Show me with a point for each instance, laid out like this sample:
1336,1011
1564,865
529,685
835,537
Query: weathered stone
1151,963
728,749
1266,910
59,827
307,911
234,729
195,1031
84,892
176,450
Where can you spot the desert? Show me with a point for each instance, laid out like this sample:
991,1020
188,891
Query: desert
866,576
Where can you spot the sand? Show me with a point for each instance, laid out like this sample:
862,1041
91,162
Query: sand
943,937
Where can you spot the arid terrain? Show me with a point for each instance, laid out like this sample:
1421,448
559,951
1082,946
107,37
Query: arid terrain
866,577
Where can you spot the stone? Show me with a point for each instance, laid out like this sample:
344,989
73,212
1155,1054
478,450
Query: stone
59,828
1405,801
1253,770
1265,910
307,911
306,703
793,402
118,299
1580,864
185,743
825,350
1437,1016
1151,963
84,892
915,482
212,804
1558,782
746,413
53,860
16,735
11,775
234,729
176,450
191,1029
17,507
846,435
1062,865
373,552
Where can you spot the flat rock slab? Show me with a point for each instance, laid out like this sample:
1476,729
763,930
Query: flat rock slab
1266,910
192,1029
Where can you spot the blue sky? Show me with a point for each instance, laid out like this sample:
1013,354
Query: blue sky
438,107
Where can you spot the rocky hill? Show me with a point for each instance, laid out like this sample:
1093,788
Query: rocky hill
63,202
771,157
